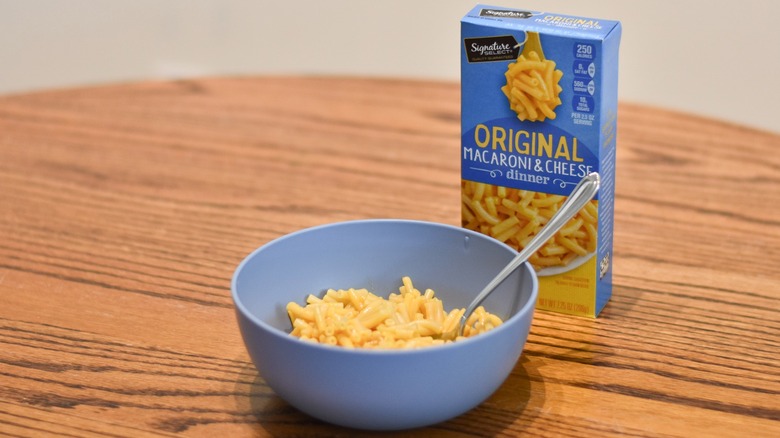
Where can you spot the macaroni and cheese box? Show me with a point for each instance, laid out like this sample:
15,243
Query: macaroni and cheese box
539,112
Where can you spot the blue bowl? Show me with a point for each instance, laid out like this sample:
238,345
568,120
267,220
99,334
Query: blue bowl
382,389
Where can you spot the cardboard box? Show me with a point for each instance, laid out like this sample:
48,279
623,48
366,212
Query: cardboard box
539,112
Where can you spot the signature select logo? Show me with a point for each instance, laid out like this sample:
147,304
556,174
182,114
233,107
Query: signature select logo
505,13
491,48
495,48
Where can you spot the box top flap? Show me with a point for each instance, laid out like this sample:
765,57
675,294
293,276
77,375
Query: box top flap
543,22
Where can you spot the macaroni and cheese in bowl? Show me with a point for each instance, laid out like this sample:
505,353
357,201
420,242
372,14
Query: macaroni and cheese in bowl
382,388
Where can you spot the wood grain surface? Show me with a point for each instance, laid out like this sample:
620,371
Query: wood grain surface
124,210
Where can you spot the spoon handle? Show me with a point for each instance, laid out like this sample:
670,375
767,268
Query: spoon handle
582,193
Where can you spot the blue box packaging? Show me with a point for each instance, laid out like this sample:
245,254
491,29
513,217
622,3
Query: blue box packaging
539,112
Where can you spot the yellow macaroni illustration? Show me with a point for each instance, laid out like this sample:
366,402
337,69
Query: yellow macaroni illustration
532,87
515,216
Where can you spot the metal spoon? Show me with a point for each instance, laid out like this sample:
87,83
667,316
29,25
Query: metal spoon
582,193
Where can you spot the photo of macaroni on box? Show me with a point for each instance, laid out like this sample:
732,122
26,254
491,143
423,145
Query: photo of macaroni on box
532,83
515,216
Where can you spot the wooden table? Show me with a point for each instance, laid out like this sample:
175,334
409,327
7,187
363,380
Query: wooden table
124,210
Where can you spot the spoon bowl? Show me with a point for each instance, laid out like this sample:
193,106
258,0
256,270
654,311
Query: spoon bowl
533,44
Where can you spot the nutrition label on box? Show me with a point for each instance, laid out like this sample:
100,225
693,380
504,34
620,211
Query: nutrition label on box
584,84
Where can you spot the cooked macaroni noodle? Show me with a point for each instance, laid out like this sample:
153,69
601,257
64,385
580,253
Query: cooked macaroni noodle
356,318
532,87
515,216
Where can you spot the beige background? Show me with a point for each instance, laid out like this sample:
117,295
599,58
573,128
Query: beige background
718,59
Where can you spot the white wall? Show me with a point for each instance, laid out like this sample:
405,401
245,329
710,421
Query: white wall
718,59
